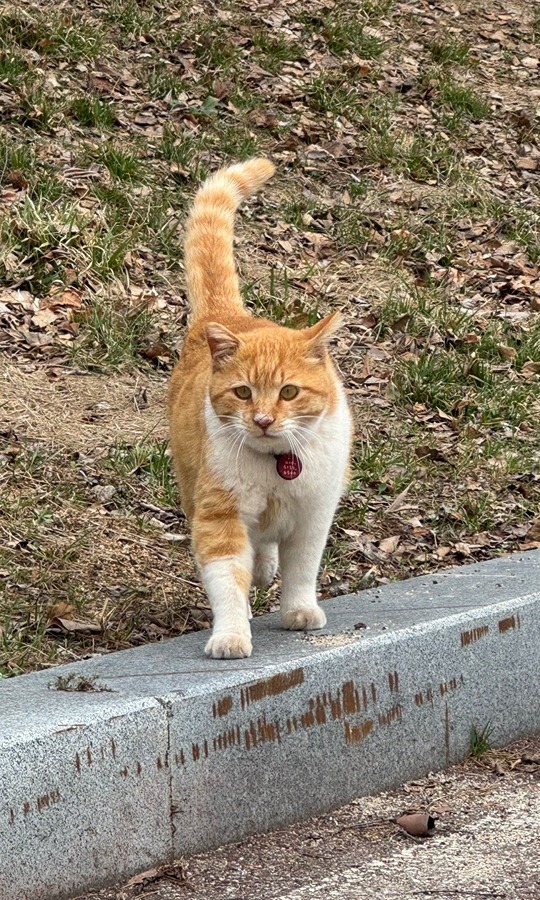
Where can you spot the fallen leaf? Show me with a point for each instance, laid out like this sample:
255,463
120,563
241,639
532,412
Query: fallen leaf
104,492
530,367
417,824
43,318
526,162
389,544
68,298
150,875
60,609
533,533
506,352
63,617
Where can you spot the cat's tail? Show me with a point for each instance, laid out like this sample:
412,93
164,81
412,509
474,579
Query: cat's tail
212,281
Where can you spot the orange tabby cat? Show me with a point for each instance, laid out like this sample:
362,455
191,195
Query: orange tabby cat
260,431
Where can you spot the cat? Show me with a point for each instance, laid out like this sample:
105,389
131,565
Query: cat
260,431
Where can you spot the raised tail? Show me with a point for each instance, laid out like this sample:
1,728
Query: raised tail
212,281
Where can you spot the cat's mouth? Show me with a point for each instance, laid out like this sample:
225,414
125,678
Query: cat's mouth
268,442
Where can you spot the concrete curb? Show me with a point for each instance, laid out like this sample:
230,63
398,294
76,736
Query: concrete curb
180,754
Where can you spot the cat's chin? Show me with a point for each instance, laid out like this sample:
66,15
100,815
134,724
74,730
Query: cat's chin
269,444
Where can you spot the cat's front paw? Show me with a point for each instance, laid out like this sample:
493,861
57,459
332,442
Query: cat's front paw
228,645
304,618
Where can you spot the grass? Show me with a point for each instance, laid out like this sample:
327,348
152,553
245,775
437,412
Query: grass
479,741
111,337
93,112
14,69
394,201
131,19
329,96
59,35
36,238
123,165
150,462
461,103
447,52
276,300
274,50
423,158
345,32
184,151
166,85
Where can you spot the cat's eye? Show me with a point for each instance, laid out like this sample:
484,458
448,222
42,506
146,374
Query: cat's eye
243,392
288,392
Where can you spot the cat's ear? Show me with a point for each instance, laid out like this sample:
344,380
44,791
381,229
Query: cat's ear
222,343
319,335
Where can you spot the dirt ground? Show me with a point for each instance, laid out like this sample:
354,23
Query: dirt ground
405,136
486,844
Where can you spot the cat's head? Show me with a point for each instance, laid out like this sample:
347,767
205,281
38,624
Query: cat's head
271,385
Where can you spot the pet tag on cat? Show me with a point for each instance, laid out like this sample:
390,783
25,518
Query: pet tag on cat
288,466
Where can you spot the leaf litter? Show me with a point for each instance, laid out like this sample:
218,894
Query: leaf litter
406,140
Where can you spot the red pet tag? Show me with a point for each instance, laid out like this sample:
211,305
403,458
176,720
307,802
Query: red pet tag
288,466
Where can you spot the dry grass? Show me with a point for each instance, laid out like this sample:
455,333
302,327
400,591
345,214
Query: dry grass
407,194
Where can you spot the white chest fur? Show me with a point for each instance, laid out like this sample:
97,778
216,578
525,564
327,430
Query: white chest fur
270,505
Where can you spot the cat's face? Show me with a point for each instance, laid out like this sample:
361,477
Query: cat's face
270,387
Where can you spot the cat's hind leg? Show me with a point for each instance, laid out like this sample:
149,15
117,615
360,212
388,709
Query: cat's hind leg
265,565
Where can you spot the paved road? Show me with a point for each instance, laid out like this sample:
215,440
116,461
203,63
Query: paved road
486,845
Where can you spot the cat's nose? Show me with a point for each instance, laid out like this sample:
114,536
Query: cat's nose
263,420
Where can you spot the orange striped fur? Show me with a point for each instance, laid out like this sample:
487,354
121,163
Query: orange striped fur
217,441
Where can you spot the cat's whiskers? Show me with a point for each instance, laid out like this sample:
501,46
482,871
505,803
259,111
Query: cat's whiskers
298,448
234,440
308,434
242,442
302,438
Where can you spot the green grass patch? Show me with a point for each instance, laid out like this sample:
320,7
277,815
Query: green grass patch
468,388
460,103
216,47
93,112
111,337
123,164
327,94
451,51
14,68
166,84
423,158
479,740
236,141
36,241
16,156
150,462
132,18
344,32
60,35
274,50
383,464
278,301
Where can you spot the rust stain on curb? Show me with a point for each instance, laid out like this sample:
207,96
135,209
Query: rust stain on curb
470,637
270,687
222,707
510,623
356,733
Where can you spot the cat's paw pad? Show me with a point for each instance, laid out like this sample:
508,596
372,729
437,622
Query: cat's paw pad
228,646
304,618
